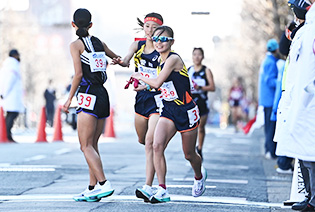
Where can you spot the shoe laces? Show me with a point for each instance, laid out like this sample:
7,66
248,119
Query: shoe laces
198,185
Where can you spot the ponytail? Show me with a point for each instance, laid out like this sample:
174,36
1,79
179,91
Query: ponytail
82,32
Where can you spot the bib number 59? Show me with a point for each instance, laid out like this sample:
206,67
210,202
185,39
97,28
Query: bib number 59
86,101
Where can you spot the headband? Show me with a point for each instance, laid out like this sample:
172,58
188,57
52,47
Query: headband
156,20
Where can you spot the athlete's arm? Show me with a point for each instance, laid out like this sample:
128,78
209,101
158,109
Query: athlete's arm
76,48
172,63
211,86
109,52
126,61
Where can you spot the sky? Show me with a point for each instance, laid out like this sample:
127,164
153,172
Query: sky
114,22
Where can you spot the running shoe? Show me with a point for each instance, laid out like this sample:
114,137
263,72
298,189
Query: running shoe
144,193
199,186
100,191
160,196
82,198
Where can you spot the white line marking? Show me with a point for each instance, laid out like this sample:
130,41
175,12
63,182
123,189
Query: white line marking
174,198
27,168
62,151
215,180
37,157
183,186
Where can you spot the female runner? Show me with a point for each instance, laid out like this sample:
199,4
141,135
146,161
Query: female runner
203,82
179,113
147,100
89,56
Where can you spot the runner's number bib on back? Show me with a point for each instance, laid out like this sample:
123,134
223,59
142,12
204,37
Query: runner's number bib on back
168,91
86,101
97,61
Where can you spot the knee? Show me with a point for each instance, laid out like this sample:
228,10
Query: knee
190,155
158,148
202,130
84,148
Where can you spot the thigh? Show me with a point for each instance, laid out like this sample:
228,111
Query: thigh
86,128
189,140
141,125
164,131
152,122
203,121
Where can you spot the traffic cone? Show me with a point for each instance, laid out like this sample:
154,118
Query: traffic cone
297,188
41,133
3,128
109,125
250,123
57,125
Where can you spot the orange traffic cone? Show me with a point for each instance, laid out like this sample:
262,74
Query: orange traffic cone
3,128
109,125
57,125
41,133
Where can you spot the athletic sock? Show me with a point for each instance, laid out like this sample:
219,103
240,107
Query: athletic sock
163,186
198,178
102,183
91,187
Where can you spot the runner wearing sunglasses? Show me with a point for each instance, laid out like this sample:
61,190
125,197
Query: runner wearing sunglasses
89,60
147,100
179,113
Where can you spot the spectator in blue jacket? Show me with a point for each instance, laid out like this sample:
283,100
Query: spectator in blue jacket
267,86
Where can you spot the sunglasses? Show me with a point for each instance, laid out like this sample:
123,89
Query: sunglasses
161,38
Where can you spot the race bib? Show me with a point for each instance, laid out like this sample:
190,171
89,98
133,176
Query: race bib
147,72
86,101
168,91
158,100
193,115
97,61
200,83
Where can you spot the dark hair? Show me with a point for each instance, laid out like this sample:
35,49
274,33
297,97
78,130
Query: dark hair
166,29
200,49
82,19
13,52
153,15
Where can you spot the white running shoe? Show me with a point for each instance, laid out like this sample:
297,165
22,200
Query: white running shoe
100,191
199,186
160,196
80,197
144,193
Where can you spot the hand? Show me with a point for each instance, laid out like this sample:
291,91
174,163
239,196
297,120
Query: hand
66,106
136,75
118,61
140,88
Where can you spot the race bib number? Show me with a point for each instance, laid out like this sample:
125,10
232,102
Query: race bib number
168,91
193,115
86,101
158,100
97,61
147,72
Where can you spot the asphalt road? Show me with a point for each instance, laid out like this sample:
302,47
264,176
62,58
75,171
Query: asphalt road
44,176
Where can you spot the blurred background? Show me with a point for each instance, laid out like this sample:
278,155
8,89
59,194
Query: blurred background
233,34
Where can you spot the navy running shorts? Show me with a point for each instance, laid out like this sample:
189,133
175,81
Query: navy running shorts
185,117
146,104
202,105
94,100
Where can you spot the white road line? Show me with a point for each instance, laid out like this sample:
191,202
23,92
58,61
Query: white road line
37,157
174,198
62,151
230,181
183,186
27,168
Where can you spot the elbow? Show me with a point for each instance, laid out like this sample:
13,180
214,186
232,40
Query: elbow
78,75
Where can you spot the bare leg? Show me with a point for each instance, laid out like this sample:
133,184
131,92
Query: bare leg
150,171
165,130
141,125
87,129
189,142
202,131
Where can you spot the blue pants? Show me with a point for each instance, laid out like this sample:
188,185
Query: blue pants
270,127
284,162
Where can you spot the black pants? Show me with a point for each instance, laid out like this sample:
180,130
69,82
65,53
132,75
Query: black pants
306,178
9,120
311,171
270,127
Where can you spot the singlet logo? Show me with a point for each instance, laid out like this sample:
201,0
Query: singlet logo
155,58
